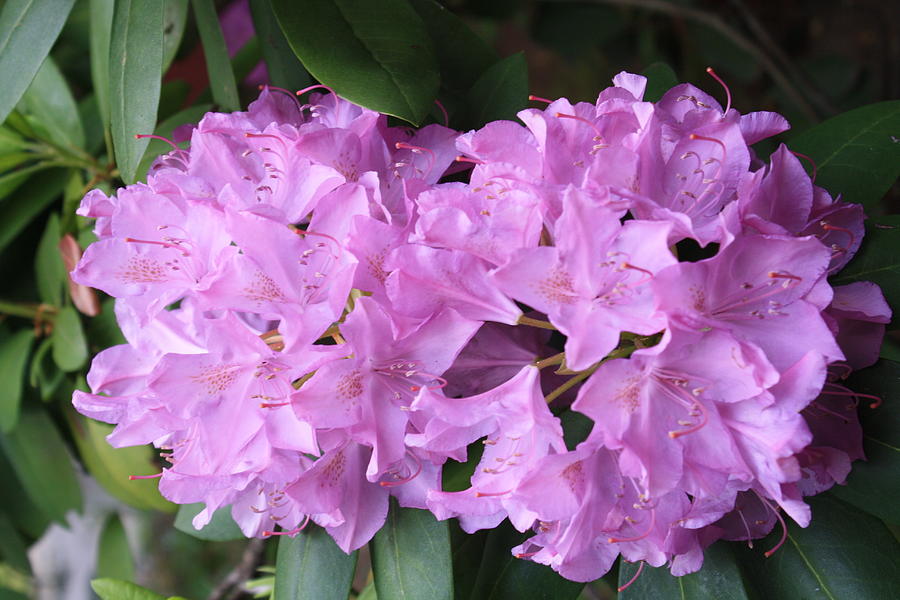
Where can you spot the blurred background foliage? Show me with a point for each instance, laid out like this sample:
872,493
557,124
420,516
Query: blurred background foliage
68,512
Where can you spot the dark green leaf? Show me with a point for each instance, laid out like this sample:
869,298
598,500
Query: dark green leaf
44,374
50,102
42,464
660,78
220,528
877,260
174,22
843,554
113,556
857,153
376,54
136,53
114,589
101,29
111,467
69,346
14,159
218,65
462,56
500,92
13,357
505,577
310,566
14,501
719,579
285,70
877,479
10,182
48,265
17,211
468,552
411,556
28,29
13,550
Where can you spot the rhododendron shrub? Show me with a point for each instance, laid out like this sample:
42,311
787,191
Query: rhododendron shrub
324,311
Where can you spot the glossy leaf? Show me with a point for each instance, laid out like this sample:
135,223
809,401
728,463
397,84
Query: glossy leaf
42,464
376,54
114,556
111,467
844,553
411,556
462,55
660,78
220,528
467,553
500,92
174,22
218,64
115,589
48,265
28,29
873,484
14,351
719,579
136,50
70,350
49,100
101,14
285,69
877,260
857,153
505,577
310,566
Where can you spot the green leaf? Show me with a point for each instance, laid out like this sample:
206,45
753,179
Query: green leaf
376,54
14,179
14,501
114,556
174,22
111,467
115,589
719,579
101,14
13,357
69,346
505,577
310,566
411,556
285,69
218,65
219,529
44,374
842,554
49,100
16,212
660,78
136,53
877,478
877,260
500,92
48,265
13,550
468,552
42,464
28,29
857,153
14,159
462,56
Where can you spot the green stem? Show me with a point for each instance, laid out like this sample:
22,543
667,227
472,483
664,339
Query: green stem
582,375
26,310
556,359
523,320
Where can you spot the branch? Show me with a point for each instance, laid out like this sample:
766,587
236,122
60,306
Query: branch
240,573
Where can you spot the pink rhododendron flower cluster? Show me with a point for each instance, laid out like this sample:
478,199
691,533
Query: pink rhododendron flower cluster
316,322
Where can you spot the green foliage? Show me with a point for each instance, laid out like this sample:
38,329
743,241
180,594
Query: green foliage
137,41
311,567
377,54
856,153
13,358
500,92
411,557
719,579
221,76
